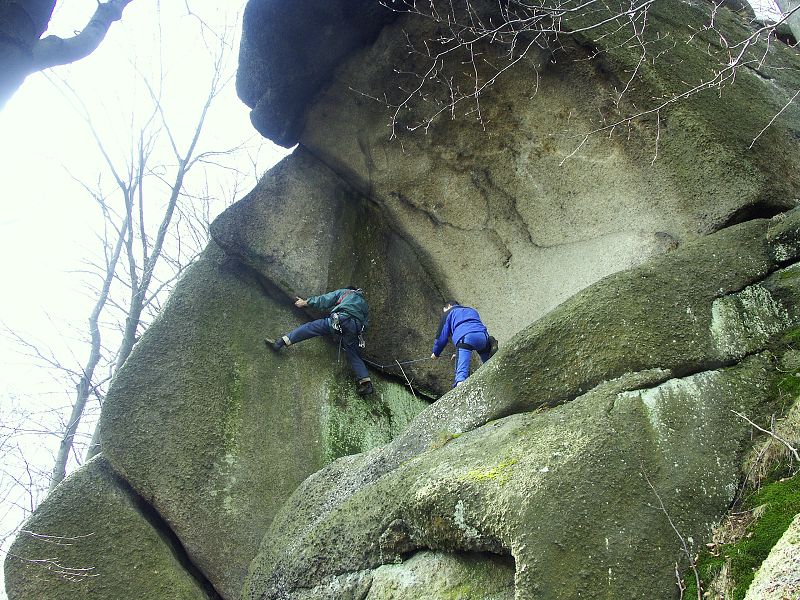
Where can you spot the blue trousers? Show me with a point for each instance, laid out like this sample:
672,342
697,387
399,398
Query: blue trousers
480,342
348,338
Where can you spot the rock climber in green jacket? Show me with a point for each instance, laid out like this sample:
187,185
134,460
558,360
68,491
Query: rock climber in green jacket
348,317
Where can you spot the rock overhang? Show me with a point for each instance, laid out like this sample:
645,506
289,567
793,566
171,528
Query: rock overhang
289,50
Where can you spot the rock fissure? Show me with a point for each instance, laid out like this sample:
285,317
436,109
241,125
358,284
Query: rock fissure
171,539
485,180
760,73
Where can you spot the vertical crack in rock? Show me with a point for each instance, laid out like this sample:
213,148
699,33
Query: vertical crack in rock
173,542
486,184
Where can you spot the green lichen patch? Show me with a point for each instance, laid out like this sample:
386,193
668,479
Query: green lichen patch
443,438
777,504
352,424
790,386
792,335
500,473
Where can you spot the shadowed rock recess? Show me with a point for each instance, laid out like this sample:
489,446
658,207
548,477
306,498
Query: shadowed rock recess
643,292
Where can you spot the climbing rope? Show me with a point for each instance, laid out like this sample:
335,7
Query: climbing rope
396,363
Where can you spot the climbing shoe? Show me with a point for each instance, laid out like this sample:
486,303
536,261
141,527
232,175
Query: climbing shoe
365,388
274,345
493,345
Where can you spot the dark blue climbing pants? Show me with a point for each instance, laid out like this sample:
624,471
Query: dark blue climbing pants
348,339
479,341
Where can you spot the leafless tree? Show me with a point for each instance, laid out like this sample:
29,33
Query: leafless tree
154,223
20,56
145,243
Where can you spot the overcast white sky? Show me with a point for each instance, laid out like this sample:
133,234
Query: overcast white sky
47,222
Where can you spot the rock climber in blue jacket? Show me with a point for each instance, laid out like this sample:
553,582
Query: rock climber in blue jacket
463,325
348,317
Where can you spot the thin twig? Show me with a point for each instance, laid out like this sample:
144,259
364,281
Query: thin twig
408,381
685,547
791,448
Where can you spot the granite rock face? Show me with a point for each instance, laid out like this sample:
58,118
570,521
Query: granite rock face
643,283
779,575
306,231
94,538
515,227
643,418
215,431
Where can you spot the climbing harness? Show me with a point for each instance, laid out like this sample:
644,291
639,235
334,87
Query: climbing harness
336,320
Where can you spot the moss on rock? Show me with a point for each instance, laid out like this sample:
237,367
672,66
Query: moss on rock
777,505
90,539
649,394
565,492
236,427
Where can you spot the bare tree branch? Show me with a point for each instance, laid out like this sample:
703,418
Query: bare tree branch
684,546
53,50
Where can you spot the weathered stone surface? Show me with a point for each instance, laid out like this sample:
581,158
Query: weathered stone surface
742,7
215,431
423,576
288,51
658,316
778,577
540,459
90,539
786,7
565,492
307,232
512,230
445,575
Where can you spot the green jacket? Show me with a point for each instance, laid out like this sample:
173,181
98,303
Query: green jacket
346,302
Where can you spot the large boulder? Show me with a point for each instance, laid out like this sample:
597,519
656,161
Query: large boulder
778,577
515,227
93,537
645,369
288,51
789,9
549,467
214,431
306,231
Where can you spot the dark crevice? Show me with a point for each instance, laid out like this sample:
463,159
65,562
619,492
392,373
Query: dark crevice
763,209
172,541
758,72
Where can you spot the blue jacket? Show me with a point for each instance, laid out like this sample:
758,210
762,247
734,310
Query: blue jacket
346,302
456,323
